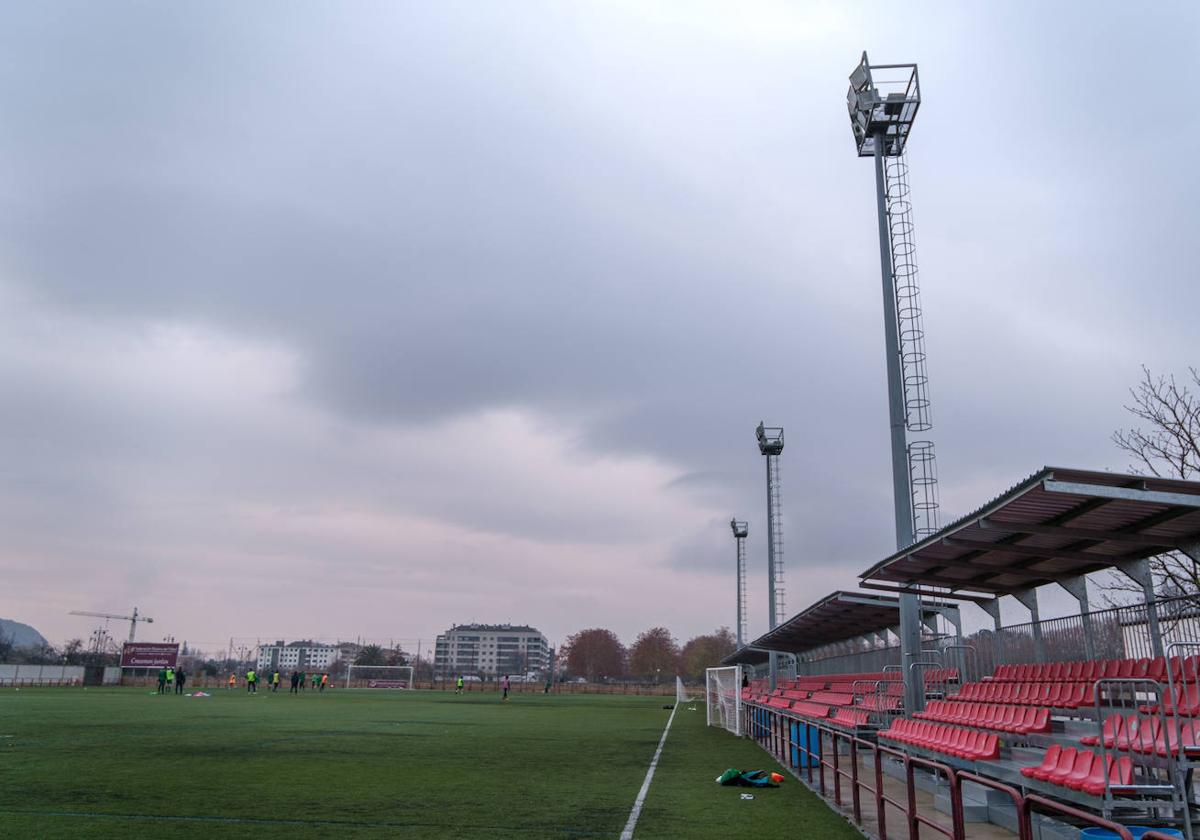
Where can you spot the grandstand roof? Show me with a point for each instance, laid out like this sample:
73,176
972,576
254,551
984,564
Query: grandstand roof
746,655
836,618
1054,525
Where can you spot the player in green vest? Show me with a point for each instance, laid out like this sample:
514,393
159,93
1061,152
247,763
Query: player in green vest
251,682
162,680
316,678
458,686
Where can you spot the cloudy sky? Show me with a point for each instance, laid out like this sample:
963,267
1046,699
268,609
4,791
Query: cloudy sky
329,320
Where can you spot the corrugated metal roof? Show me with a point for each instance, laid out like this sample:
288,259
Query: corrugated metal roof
837,617
1044,532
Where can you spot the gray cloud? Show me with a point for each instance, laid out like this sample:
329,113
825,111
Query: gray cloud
639,231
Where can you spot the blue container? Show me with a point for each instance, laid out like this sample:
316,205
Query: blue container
802,733
1136,830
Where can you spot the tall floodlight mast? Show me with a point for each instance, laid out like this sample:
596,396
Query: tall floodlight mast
741,530
883,102
770,444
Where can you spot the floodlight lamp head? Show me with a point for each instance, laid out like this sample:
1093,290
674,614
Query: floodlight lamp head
883,100
741,530
770,439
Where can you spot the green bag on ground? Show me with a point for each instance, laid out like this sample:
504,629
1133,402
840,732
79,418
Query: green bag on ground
746,778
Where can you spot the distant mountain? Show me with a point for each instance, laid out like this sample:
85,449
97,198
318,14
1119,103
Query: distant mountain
22,635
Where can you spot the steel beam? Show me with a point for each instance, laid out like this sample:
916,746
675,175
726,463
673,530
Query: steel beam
1132,494
987,524
1028,597
1030,551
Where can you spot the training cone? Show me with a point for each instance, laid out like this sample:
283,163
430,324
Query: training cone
776,777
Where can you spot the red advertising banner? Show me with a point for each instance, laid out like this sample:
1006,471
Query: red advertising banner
149,655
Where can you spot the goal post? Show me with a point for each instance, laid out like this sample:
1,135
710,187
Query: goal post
379,676
681,695
723,696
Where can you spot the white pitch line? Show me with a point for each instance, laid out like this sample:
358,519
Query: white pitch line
627,834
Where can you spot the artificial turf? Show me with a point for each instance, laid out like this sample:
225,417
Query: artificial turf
349,764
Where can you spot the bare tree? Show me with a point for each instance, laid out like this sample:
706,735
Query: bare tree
1165,443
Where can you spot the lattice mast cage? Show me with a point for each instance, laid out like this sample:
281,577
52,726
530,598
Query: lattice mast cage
741,530
883,101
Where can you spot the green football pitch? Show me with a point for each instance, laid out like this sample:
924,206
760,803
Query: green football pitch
348,764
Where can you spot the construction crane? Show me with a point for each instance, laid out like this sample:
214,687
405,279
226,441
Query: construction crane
132,619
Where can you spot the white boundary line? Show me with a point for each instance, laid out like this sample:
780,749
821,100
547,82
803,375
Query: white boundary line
627,834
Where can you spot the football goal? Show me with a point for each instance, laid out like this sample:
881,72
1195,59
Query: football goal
379,676
681,695
723,694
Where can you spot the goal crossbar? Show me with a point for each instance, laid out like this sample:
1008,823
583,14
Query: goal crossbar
381,676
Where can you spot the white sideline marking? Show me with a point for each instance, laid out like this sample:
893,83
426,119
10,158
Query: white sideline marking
627,834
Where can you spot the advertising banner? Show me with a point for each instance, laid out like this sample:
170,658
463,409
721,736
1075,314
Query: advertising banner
149,654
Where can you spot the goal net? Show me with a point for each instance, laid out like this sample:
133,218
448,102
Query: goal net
379,676
723,694
681,695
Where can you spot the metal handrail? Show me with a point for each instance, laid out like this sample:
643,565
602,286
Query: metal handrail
1026,815
1024,830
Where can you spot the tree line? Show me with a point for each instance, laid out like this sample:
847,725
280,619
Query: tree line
597,654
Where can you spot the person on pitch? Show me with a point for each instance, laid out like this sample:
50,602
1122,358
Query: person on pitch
170,677
316,679
458,686
303,681
504,686
275,682
251,682
162,680
232,682
295,682
180,679
324,681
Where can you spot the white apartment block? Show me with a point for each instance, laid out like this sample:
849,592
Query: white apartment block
296,656
491,650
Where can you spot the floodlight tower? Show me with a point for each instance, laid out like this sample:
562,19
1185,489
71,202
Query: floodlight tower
741,530
883,102
770,444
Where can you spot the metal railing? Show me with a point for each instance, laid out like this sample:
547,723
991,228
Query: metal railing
779,733
1114,633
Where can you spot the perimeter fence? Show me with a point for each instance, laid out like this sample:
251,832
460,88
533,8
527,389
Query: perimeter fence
1114,633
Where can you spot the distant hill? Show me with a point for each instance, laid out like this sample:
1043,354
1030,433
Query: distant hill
22,635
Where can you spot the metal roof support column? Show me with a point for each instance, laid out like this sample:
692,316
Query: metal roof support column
1139,572
1077,586
954,616
1028,597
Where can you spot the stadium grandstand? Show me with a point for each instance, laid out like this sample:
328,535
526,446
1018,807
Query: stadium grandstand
1048,729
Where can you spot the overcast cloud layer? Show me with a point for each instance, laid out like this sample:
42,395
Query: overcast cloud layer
320,323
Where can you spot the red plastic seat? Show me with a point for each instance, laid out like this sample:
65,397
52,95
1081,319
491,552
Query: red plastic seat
1127,736
1066,761
1080,770
1148,736
1120,773
1049,761
1113,724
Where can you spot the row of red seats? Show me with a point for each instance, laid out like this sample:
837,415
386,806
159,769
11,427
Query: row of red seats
1184,701
963,743
941,675
1082,770
831,698
1147,735
1183,669
1060,695
880,704
812,710
849,716
1019,719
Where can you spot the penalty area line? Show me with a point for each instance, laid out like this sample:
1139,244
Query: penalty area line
627,834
